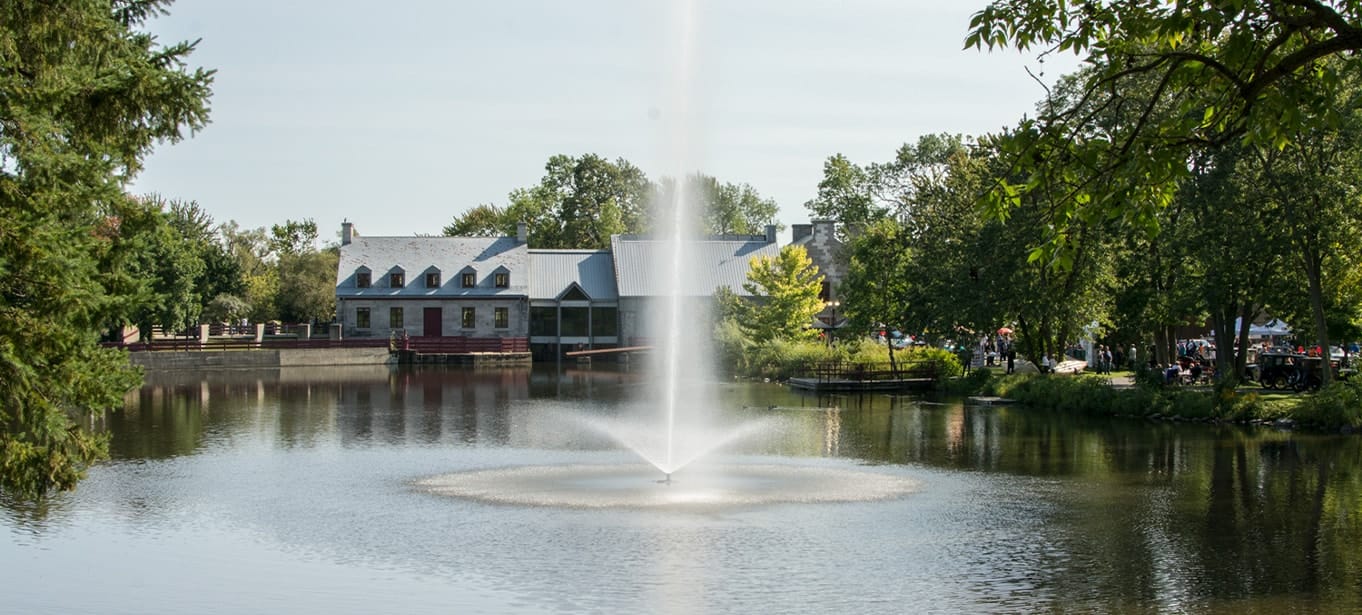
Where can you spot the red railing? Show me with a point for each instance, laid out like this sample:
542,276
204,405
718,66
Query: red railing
423,345
188,345
464,345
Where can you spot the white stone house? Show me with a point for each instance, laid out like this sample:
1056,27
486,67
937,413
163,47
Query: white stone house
432,286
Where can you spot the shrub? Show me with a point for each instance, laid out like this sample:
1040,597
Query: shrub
1336,406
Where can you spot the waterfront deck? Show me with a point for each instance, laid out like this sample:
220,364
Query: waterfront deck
864,377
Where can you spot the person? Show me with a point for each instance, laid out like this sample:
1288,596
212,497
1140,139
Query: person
1171,374
1011,358
1130,356
1046,364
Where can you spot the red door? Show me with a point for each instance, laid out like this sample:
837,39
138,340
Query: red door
431,318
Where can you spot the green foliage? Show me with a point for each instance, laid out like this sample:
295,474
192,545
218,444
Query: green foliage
732,209
845,195
152,266
784,292
580,202
1187,75
226,308
307,286
1336,406
293,237
86,95
486,220
783,358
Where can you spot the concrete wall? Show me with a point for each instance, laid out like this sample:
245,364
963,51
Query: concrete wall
259,359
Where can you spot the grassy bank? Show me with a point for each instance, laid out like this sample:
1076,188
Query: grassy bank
1338,407
781,359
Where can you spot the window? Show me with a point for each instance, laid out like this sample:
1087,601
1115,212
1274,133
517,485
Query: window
543,321
362,279
395,318
469,280
470,318
361,318
574,321
502,279
432,279
604,322
397,280
502,316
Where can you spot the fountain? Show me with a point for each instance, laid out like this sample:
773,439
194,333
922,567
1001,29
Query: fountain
677,422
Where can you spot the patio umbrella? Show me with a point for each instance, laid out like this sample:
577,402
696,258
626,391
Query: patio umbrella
1004,331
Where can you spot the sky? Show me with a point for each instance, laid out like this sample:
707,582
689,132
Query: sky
399,116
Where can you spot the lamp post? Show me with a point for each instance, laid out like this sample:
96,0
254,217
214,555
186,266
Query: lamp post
832,322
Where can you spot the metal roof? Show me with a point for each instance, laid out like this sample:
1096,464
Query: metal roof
715,262
552,272
417,255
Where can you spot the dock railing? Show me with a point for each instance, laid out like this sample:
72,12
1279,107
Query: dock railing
859,371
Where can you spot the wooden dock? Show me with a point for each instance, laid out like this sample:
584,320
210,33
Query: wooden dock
822,385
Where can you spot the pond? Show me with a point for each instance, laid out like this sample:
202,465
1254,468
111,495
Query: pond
303,490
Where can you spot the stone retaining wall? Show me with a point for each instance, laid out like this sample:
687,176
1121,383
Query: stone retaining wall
259,359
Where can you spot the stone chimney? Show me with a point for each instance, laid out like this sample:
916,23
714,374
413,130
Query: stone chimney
824,229
347,233
522,232
801,231
771,233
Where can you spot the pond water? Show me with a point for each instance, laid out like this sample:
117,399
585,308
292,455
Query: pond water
308,490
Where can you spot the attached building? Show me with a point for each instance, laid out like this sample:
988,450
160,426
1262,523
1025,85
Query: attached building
573,301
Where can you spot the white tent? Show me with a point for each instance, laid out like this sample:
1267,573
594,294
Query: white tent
1273,328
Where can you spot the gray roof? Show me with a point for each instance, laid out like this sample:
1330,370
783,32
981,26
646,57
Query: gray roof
717,262
417,255
552,272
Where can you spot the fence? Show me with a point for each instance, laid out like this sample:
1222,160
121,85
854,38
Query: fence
910,369
193,345
464,345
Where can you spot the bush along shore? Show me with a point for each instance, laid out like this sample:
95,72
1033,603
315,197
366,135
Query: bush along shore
1336,408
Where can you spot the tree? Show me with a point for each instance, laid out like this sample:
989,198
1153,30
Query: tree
733,209
485,220
784,291
86,94
1220,72
255,259
845,194
151,266
581,202
307,286
221,273
293,237
1317,173
878,290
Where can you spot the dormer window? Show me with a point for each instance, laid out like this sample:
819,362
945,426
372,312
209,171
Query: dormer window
397,279
362,279
432,279
501,279
468,279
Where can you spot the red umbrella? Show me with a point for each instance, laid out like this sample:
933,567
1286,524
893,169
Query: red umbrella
1004,331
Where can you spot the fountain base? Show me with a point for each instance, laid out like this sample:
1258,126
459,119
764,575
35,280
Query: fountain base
629,486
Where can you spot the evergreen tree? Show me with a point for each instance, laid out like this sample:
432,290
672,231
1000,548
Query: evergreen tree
86,94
